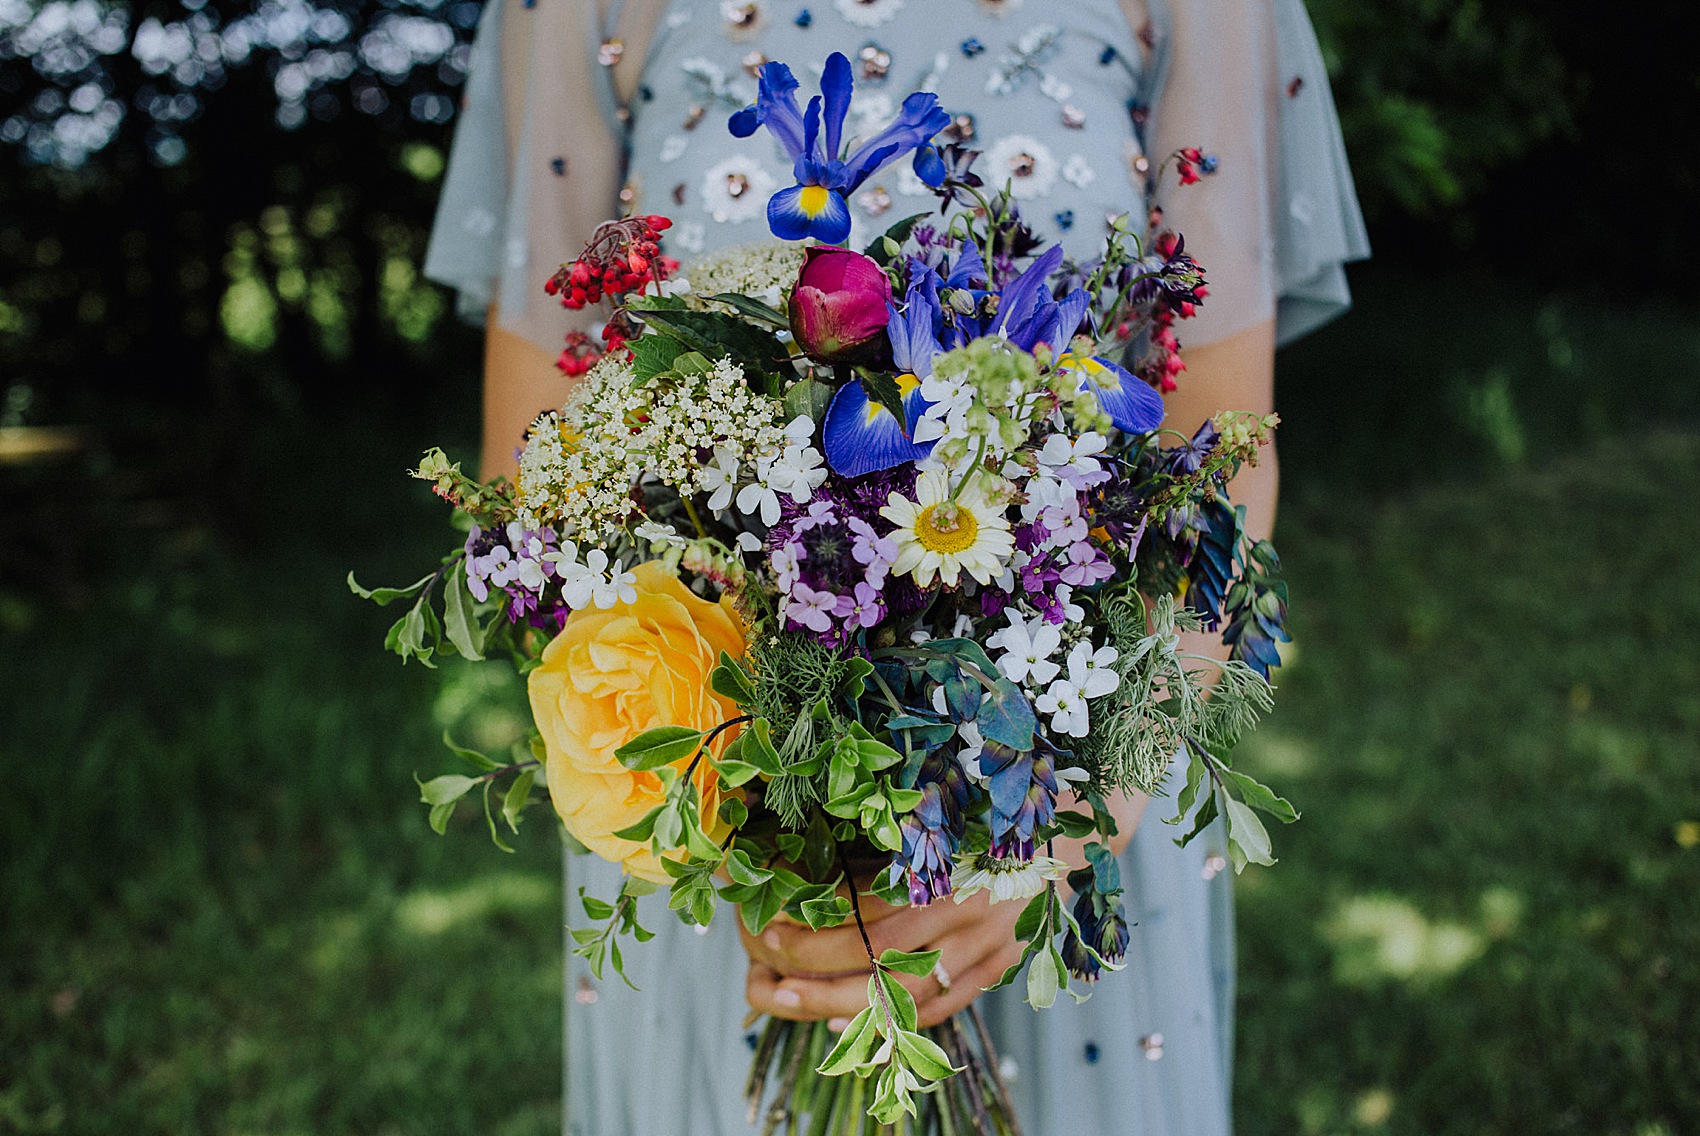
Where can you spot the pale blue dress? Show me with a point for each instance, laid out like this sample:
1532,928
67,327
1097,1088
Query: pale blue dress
1066,99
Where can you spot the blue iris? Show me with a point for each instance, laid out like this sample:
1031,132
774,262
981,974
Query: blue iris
817,205
1129,401
861,435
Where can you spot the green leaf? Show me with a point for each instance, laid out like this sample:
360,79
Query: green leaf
643,829
1007,717
1201,820
902,1002
445,789
734,773
1075,825
740,870
653,355
717,335
734,812
1195,771
440,815
1042,979
663,745
853,1047
490,819
597,909
825,911
924,1057
755,309
758,748
385,596
729,679
811,397
459,618
517,797
884,390
471,756
1245,830
1259,796
918,963
1032,916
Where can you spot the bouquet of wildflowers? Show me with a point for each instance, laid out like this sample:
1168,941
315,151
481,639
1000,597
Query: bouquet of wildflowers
862,573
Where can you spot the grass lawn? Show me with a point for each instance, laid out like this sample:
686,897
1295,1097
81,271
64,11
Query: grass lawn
225,914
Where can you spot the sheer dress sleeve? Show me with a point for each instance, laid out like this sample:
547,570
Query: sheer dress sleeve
1278,220
537,157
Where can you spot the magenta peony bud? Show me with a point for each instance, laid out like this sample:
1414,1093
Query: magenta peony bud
839,306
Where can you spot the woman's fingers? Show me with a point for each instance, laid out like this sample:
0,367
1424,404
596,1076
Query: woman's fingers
805,999
969,984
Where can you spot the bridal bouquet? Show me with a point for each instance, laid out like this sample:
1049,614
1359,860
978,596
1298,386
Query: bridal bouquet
862,573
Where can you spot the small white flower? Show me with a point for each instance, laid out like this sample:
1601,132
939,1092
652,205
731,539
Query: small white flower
688,236
1005,879
673,147
748,542
720,477
1028,648
736,190
1066,705
1072,612
1075,460
658,534
1090,671
1078,172
618,587
1023,161
868,13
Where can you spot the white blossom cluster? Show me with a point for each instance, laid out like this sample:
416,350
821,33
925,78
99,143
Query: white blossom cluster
1030,647
579,464
765,271
712,411
988,394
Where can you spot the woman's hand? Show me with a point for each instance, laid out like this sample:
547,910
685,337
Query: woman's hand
808,975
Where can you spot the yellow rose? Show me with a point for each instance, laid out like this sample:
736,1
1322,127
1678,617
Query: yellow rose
611,675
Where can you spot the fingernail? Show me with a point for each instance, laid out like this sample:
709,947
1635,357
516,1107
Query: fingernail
838,1025
787,997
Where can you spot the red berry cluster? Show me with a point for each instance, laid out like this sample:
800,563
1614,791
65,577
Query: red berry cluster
622,256
578,356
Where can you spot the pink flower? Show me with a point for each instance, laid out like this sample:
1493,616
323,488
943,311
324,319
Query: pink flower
839,306
817,610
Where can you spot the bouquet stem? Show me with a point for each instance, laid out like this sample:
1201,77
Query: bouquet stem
975,1102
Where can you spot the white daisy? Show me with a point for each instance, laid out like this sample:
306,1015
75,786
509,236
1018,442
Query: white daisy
736,190
1005,879
940,538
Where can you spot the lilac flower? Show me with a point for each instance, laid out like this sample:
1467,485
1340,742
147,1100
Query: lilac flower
816,610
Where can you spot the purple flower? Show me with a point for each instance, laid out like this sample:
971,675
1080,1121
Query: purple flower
816,610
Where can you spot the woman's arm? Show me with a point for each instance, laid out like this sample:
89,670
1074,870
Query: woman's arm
806,975
520,382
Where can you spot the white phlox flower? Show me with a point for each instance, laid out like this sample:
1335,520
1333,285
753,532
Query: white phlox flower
1072,612
1091,671
619,586
720,477
1066,705
1028,647
578,581
1005,879
1075,461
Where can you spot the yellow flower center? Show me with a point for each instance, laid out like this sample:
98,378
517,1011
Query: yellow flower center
813,199
946,528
